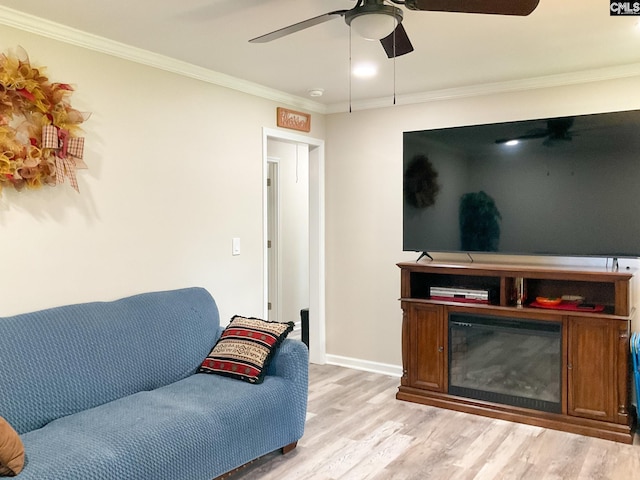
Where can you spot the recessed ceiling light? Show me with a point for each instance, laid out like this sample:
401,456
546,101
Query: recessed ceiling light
511,143
315,92
365,70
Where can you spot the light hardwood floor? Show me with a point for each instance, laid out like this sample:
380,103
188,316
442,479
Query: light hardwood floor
357,430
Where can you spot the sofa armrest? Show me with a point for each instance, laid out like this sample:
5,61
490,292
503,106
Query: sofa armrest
288,359
291,361
291,364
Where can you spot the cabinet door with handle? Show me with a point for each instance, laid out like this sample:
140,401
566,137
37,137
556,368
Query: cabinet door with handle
427,347
591,368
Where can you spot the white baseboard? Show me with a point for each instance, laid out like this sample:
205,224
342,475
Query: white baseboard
382,368
365,365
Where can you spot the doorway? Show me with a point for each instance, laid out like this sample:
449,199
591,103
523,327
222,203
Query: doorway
287,229
311,151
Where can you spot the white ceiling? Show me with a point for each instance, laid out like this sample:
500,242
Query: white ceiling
560,38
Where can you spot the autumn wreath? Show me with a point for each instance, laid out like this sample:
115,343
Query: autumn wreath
38,127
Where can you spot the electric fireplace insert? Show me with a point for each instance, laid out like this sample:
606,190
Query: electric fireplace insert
505,360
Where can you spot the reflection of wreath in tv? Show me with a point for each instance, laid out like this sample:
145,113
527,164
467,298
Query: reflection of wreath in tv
38,127
420,182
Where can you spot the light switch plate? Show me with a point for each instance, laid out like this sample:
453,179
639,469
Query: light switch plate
235,246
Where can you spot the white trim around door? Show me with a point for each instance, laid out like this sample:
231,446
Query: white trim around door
317,331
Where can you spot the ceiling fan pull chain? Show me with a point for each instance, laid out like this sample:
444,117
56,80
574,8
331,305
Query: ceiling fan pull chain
394,66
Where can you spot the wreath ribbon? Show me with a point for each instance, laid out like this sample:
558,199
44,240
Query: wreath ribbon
68,151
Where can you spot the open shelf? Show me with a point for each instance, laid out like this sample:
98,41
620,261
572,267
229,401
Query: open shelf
601,287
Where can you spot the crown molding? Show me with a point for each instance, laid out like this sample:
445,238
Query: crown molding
72,36
548,81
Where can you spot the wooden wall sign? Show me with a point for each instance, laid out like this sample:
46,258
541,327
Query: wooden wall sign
294,120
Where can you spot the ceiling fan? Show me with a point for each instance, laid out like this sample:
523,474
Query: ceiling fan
558,130
376,20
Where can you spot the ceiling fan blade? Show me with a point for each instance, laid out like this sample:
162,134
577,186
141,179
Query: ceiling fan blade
402,42
296,27
557,129
496,7
528,136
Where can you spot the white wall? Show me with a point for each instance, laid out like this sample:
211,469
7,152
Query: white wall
175,171
364,201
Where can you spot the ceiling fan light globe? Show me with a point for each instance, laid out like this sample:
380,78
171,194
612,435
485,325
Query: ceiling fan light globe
374,26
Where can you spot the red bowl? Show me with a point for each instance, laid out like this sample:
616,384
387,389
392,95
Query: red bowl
549,301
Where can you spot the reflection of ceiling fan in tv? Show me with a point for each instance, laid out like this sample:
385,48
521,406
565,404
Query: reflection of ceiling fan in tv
377,20
558,130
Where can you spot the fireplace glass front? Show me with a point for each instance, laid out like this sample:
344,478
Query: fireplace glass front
505,360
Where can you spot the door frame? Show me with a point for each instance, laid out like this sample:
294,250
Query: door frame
317,327
274,283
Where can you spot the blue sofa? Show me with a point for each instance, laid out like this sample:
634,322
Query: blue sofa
108,390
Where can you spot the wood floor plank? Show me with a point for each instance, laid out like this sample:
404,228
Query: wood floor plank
357,430
506,460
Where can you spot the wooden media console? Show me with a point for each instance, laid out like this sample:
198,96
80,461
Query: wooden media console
583,381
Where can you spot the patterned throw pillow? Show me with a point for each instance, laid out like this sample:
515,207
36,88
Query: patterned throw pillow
245,348
11,450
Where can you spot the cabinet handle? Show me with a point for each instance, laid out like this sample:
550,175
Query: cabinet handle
569,366
440,349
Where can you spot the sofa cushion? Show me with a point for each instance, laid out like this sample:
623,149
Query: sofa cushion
197,428
245,348
11,450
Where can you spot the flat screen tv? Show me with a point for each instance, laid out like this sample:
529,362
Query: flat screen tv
565,186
